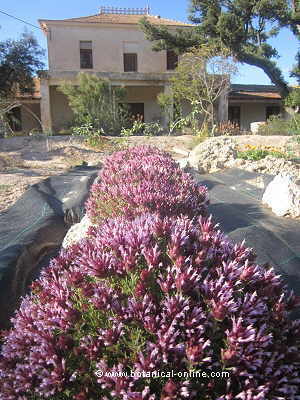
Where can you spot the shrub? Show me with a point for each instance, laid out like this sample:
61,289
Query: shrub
227,128
94,101
153,129
149,295
276,125
140,128
144,179
255,153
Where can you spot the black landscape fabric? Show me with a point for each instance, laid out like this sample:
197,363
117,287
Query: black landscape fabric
32,230
236,205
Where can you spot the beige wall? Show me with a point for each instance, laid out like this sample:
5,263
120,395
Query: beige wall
252,112
108,44
148,96
62,116
61,113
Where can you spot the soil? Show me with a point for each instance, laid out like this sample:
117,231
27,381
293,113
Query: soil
25,161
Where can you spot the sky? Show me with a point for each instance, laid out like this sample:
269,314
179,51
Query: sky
32,10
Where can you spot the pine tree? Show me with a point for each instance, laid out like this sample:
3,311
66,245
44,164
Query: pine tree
19,62
244,27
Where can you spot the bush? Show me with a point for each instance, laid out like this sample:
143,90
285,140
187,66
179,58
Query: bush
144,304
255,153
140,128
94,101
153,295
276,125
227,128
144,179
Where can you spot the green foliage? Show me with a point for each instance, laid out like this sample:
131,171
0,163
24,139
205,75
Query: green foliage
5,188
136,129
244,27
96,102
19,62
293,99
140,128
201,77
276,125
93,137
87,130
295,73
153,129
259,154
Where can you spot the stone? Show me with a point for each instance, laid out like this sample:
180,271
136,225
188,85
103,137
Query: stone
254,126
282,195
182,152
212,154
217,153
183,163
77,232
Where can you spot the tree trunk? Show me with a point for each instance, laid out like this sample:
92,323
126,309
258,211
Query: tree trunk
269,69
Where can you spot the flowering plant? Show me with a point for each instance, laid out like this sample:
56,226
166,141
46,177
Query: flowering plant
153,294
152,291
144,179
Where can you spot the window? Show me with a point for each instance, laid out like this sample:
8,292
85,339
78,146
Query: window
130,62
172,60
86,55
272,110
234,114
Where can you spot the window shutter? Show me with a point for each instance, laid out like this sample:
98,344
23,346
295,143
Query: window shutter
172,60
86,54
130,62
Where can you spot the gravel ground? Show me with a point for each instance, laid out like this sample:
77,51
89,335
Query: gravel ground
25,161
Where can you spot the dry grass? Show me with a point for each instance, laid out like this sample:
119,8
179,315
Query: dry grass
5,188
7,162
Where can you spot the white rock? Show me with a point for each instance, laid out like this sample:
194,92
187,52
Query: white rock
180,151
213,150
254,126
183,163
283,196
77,232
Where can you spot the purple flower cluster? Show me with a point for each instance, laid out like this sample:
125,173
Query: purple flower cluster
150,300
144,179
153,294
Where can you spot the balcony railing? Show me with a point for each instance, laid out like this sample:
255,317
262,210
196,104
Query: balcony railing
126,11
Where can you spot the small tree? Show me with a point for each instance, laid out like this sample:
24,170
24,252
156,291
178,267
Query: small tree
202,76
245,27
19,62
95,102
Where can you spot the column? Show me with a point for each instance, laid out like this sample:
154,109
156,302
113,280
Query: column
46,106
169,111
223,106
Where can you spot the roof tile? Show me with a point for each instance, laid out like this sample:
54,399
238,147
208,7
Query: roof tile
131,19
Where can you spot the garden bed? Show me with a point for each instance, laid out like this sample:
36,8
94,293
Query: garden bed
27,160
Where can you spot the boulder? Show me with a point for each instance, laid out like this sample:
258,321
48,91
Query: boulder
213,154
283,196
254,126
183,163
77,232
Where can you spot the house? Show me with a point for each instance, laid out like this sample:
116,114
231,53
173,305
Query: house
111,45
253,103
25,116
